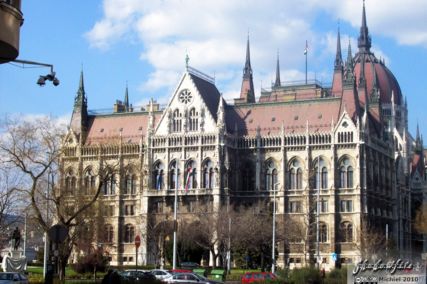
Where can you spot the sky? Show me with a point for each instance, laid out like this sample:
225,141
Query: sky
142,44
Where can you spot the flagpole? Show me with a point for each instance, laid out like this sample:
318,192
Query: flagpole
305,53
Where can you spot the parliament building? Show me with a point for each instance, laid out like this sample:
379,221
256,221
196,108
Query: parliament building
342,149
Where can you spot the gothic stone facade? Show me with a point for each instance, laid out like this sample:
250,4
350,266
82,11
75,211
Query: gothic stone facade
349,140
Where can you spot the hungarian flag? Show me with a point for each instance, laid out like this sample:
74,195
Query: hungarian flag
189,176
306,48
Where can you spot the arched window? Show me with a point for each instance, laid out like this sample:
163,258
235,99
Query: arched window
346,232
323,232
247,177
270,175
193,121
190,175
295,175
70,183
89,182
174,175
321,175
208,174
129,233
176,121
109,233
158,179
346,173
110,185
130,184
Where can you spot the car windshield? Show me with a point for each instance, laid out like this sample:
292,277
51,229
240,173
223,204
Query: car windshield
6,276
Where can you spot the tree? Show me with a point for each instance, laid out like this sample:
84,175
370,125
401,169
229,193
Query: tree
10,203
209,231
159,229
252,234
420,221
33,149
372,241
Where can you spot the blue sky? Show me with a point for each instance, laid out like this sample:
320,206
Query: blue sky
144,43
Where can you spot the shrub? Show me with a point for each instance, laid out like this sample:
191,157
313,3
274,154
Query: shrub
91,261
337,276
308,275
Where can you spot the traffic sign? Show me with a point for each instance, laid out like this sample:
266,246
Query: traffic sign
334,256
137,241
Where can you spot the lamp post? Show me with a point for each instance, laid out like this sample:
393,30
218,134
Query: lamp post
319,181
273,255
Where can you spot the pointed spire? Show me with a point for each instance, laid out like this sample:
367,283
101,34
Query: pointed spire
126,100
80,98
277,82
418,141
220,113
187,60
338,56
418,132
247,92
247,71
364,40
79,117
348,72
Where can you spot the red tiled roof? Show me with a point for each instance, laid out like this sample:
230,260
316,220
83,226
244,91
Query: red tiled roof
294,115
132,127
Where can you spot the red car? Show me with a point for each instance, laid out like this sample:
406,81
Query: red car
252,277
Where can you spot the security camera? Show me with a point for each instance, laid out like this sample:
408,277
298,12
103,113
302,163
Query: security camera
55,81
41,81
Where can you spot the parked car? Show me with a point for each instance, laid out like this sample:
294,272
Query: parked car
134,274
13,278
252,277
189,264
161,273
189,278
179,270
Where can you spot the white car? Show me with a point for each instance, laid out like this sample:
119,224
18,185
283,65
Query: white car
161,273
188,278
13,278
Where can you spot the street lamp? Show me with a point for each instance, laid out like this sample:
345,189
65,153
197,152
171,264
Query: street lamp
273,255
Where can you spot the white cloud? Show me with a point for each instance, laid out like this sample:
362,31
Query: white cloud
213,33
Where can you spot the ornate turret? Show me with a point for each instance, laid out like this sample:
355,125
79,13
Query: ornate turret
247,93
79,117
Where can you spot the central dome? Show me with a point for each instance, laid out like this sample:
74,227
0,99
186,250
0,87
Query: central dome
380,81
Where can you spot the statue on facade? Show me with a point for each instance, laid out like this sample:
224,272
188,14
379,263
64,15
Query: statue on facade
16,238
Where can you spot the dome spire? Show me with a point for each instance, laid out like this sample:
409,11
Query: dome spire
364,40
